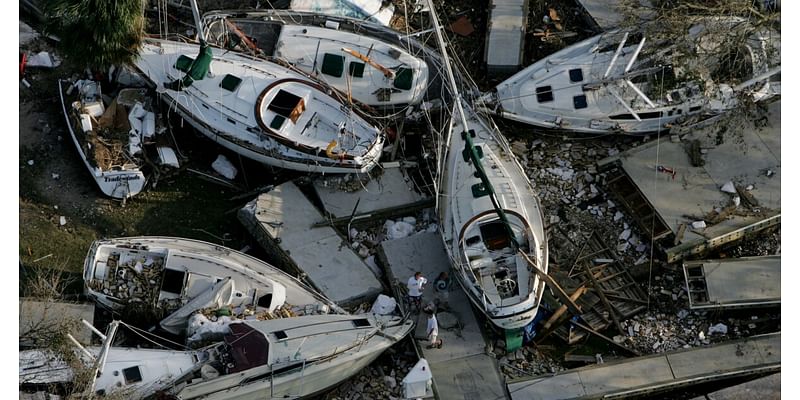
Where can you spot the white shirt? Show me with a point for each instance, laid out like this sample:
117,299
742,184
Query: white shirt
433,326
415,286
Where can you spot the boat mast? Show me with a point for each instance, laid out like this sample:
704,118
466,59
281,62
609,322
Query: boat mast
198,23
469,147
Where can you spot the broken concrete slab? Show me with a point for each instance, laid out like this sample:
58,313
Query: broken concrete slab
281,221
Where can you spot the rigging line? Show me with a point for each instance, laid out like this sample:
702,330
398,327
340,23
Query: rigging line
655,191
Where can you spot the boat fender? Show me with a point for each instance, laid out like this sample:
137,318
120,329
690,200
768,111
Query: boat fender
333,155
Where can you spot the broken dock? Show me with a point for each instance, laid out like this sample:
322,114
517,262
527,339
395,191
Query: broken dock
282,222
671,185
733,283
461,368
659,373
505,40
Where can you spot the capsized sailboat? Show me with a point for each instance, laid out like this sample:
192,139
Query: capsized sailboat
629,81
372,64
491,218
180,276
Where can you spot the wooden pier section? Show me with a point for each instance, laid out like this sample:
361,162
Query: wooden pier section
658,373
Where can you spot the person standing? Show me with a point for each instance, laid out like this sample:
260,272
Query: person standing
433,332
416,284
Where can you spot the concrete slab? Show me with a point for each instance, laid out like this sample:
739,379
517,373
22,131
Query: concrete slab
461,369
695,191
281,221
564,386
53,315
656,373
391,190
506,36
636,373
768,387
738,282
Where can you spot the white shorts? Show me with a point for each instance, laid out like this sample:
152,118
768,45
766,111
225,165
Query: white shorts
433,339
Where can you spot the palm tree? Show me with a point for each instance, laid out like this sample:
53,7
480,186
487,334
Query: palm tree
97,33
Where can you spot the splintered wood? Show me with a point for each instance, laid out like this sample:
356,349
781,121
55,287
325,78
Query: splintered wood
600,285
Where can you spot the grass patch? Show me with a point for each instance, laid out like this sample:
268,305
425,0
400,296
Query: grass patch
41,235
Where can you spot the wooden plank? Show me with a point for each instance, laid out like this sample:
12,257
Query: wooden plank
606,338
560,293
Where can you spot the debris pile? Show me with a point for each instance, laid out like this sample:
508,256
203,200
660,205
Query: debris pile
525,361
134,280
376,381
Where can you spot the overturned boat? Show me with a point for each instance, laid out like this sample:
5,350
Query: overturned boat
178,277
260,109
370,64
635,82
112,139
288,357
491,219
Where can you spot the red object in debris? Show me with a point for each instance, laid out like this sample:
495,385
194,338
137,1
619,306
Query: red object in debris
23,59
462,26
667,170
391,134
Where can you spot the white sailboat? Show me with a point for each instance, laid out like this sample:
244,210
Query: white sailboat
260,109
491,218
279,358
368,63
182,276
626,82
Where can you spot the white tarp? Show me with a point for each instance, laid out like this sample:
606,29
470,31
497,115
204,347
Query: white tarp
418,382
217,295
384,305
369,10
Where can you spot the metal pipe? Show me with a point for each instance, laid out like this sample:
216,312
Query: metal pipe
616,54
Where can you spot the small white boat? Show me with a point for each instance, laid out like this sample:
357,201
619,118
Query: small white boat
364,62
111,140
181,276
260,109
491,219
627,82
279,358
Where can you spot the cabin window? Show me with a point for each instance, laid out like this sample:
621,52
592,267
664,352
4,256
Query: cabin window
479,190
333,65
230,82
173,281
473,240
280,335
544,94
184,63
403,78
495,235
579,102
695,108
361,323
356,69
647,115
670,112
287,105
132,375
277,122
575,75
265,300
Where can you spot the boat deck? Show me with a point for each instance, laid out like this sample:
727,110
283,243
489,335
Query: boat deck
734,283
743,158
657,373
281,220
461,369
